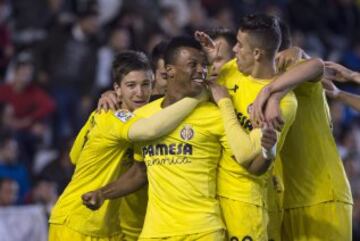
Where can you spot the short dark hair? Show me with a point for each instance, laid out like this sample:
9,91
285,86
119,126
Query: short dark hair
265,29
157,53
221,32
128,61
176,44
285,36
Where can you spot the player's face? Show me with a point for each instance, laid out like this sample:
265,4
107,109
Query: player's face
189,72
135,89
160,74
244,53
224,55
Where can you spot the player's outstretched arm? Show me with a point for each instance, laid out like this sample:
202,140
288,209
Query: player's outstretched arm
165,120
347,98
339,73
129,182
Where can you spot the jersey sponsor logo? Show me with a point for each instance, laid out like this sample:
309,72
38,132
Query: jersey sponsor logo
167,149
124,115
168,161
187,133
244,121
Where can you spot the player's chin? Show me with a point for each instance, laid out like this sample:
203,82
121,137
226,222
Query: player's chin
138,104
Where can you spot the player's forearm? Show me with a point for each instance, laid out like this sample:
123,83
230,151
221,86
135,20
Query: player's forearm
164,121
349,99
129,182
259,165
354,77
308,71
245,147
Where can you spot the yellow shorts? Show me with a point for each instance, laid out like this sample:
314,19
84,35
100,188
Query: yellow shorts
244,222
58,232
218,235
330,221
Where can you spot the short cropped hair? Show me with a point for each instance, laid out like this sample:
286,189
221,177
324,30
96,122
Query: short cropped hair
175,44
128,61
221,32
264,31
157,53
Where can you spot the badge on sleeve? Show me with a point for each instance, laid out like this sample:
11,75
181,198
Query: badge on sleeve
124,115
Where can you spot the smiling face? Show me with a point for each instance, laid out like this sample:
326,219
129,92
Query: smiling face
188,72
135,89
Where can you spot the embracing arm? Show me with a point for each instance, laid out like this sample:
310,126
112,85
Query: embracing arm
164,121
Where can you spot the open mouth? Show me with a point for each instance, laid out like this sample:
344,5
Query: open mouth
198,80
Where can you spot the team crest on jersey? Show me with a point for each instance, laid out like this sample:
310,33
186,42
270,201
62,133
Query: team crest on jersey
124,115
187,133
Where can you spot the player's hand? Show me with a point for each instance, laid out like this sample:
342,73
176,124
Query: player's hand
273,116
93,200
218,92
288,57
208,45
268,142
269,137
257,110
108,101
330,89
337,72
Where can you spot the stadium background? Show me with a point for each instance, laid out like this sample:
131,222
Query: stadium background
71,69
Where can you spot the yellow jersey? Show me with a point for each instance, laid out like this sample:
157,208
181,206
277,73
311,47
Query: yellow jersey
97,153
234,181
181,170
313,172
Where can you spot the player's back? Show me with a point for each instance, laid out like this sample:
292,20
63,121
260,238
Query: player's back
313,171
96,152
181,171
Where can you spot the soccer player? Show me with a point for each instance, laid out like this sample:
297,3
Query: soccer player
158,64
224,40
317,197
182,166
243,195
99,149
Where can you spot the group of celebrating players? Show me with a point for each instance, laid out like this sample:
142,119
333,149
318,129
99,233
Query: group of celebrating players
241,150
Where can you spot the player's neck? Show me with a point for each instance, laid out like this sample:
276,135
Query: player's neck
172,95
264,70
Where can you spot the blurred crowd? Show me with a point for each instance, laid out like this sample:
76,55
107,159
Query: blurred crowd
55,61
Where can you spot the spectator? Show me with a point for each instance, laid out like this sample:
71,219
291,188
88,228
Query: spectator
8,192
11,167
28,107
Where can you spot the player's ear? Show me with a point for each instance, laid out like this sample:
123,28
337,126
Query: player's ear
117,89
170,71
258,53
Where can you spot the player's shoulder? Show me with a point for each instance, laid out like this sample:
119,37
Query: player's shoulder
149,108
119,116
207,109
229,73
